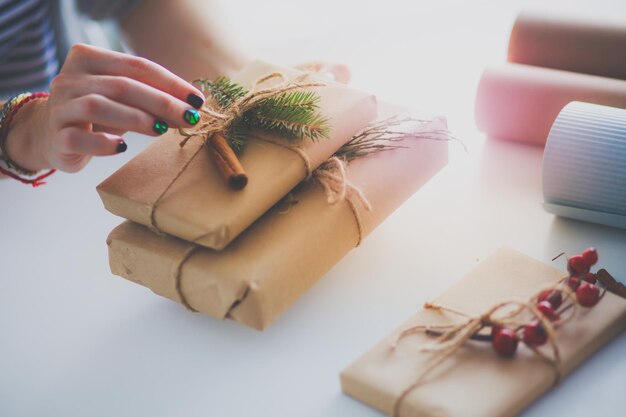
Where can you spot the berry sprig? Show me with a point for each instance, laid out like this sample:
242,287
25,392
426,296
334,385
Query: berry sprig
549,303
504,326
548,309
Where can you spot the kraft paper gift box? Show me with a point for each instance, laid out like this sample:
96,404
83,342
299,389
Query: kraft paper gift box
200,206
474,381
260,274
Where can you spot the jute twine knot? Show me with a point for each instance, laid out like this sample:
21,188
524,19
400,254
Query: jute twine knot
451,337
219,119
332,176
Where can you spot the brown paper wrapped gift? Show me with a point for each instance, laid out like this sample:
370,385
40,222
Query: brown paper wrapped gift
286,251
474,381
200,206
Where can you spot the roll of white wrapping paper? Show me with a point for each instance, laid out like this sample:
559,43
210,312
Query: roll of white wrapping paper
584,165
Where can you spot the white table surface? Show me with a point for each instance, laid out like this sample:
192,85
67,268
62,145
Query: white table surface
77,341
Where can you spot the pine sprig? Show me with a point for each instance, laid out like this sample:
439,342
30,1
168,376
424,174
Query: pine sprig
291,122
237,135
223,90
290,115
295,99
293,115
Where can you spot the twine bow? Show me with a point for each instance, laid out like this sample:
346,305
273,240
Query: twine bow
219,119
332,176
452,337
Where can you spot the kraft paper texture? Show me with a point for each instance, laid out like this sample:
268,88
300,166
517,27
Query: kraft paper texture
200,206
475,381
260,274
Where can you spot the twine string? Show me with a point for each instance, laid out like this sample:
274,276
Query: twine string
298,150
453,336
178,268
332,176
219,120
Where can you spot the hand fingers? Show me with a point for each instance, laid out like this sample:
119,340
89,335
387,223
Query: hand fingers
113,131
74,140
98,61
127,91
103,111
338,72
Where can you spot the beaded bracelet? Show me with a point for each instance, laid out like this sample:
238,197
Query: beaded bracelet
12,169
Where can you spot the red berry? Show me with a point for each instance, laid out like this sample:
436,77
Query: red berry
590,256
573,282
546,309
505,342
535,334
552,296
576,265
590,277
587,294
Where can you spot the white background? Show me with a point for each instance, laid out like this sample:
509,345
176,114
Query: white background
78,341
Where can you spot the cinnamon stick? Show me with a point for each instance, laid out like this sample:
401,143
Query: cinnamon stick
226,161
610,283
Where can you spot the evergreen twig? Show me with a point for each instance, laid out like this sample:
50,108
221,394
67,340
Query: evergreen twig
292,115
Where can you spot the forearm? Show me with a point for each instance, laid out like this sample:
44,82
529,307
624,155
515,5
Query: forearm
184,36
21,143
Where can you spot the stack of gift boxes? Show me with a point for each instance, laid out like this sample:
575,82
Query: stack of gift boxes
248,254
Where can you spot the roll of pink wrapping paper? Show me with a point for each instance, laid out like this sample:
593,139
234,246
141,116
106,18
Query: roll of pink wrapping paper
520,102
572,43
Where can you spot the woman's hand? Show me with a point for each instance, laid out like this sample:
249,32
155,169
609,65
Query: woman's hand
97,96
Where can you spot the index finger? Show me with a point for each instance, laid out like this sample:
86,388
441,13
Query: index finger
98,61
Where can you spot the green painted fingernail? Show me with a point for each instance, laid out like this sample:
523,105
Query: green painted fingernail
191,116
160,127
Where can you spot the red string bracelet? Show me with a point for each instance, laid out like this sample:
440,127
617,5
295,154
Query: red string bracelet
35,182
11,109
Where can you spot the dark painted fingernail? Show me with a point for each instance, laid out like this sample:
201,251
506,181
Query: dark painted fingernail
121,146
191,116
160,127
195,100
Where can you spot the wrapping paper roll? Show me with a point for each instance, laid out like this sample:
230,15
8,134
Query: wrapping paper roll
584,166
578,44
520,102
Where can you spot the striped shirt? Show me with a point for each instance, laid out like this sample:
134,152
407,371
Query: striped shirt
33,41
28,52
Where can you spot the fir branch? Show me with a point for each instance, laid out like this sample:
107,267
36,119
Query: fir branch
237,135
291,115
292,127
295,99
223,90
